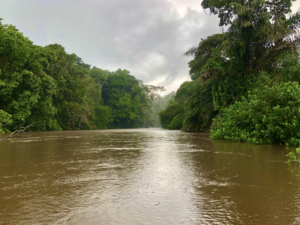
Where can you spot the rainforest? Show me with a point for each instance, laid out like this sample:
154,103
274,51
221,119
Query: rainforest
245,81
54,90
88,144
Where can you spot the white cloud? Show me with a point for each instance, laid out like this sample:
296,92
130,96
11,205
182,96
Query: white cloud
146,37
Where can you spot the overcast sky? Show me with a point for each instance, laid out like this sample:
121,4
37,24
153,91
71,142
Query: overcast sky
146,37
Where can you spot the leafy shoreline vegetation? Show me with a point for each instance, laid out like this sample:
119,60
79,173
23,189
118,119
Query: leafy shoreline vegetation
58,91
245,81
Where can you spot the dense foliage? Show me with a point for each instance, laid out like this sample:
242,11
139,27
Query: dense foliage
171,113
227,65
58,91
173,116
129,102
246,80
294,156
261,42
271,115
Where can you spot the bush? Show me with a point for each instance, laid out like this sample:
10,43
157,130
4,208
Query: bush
271,115
294,156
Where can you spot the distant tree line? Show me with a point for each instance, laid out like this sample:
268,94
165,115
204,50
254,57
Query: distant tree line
160,103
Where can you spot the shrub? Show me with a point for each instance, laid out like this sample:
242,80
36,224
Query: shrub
271,115
294,156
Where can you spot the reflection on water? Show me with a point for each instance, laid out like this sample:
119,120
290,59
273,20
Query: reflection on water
144,176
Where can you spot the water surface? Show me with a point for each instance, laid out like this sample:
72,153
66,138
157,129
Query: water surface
144,176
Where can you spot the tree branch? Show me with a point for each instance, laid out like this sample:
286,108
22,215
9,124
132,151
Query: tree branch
17,132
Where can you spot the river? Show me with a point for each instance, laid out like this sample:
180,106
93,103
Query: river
145,176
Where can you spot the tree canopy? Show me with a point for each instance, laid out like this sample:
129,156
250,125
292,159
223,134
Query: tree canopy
58,91
261,43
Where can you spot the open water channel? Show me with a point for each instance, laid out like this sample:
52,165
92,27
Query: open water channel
144,176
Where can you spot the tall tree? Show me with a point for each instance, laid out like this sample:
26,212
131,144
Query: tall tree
227,65
129,99
26,90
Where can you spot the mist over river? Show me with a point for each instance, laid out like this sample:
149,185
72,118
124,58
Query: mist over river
145,176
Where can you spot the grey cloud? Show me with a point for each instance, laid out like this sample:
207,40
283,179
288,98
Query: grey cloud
146,37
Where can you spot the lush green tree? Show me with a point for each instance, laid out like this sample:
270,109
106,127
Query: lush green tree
99,75
184,92
129,100
166,116
25,88
199,108
58,91
174,115
103,116
259,38
78,93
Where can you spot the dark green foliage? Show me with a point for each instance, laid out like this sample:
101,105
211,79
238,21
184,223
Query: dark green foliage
174,115
58,91
184,92
5,119
77,95
25,88
259,50
289,69
260,47
99,75
166,116
177,122
199,108
103,116
294,156
226,66
127,99
270,115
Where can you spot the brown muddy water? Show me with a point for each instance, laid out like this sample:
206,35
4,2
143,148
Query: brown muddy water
144,176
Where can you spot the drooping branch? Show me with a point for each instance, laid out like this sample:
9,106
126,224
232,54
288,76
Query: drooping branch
17,132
